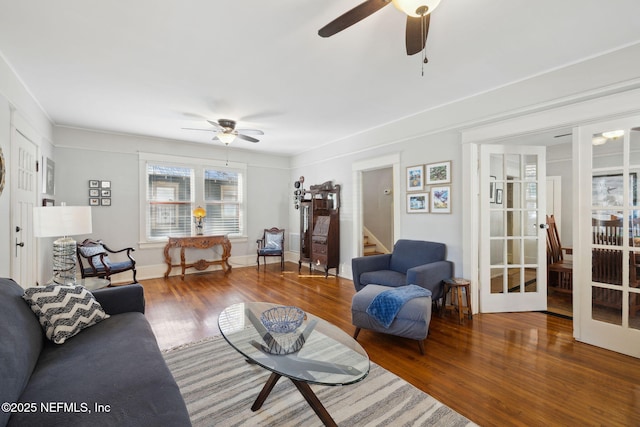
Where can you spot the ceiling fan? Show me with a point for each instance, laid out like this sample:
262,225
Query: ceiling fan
226,131
418,16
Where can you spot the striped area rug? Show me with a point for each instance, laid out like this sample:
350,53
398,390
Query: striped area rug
219,388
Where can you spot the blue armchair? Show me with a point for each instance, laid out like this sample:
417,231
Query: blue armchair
411,262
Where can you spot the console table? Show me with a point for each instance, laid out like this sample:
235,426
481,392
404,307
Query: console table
197,242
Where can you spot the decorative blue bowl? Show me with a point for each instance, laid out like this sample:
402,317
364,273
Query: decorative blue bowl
282,319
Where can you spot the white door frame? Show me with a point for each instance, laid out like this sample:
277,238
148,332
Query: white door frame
598,109
357,168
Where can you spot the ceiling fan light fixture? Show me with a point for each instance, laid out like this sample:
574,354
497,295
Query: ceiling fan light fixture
599,140
613,134
226,138
416,8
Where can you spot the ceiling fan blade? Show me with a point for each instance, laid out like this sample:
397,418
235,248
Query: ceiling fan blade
215,124
250,131
247,138
417,32
206,130
353,16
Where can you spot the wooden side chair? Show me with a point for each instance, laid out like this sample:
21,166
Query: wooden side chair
559,270
93,257
271,244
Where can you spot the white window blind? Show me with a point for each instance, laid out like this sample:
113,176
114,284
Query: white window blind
169,201
173,191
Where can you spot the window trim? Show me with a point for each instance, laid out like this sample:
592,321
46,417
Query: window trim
191,162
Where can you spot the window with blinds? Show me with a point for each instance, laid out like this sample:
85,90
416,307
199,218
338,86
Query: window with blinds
173,192
222,198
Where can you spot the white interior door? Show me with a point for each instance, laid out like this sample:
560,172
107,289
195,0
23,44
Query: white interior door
513,235
609,236
24,195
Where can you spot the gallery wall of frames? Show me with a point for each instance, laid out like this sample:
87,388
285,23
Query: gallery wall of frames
99,193
429,188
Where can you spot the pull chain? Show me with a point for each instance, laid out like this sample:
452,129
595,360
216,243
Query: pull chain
424,47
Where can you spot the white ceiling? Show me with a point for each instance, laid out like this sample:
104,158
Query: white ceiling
152,67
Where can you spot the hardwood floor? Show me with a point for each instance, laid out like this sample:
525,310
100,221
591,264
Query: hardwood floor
521,369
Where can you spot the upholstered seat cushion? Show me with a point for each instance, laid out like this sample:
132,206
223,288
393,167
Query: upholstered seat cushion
114,266
384,277
269,251
412,321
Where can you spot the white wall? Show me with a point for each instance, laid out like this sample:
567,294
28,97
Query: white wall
445,228
85,155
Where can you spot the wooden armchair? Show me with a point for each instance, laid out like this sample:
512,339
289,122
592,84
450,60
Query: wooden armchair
559,270
607,265
271,244
93,257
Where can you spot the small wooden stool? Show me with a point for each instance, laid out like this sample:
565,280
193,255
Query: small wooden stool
455,284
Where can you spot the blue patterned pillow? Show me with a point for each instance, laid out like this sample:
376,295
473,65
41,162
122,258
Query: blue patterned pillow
64,310
89,251
273,241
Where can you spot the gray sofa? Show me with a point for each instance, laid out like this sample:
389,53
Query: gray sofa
415,262
110,374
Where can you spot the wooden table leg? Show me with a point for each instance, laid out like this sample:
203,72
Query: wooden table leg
264,393
315,403
466,291
460,307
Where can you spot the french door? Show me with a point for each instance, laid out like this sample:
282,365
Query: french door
609,236
512,229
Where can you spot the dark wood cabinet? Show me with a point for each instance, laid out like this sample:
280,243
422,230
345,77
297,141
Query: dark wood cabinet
320,227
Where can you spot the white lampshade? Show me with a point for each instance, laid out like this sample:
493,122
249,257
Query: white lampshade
56,221
411,7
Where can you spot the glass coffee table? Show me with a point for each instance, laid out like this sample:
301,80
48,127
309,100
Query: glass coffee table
325,355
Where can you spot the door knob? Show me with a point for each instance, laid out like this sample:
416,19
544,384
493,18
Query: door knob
544,226
21,244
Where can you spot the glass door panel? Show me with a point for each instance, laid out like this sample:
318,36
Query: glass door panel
610,305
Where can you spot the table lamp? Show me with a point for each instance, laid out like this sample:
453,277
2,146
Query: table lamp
198,215
62,221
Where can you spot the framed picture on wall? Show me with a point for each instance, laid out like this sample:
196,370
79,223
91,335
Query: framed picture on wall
48,176
94,192
438,173
94,183
105,202
94,202
418,203
441,199
415,178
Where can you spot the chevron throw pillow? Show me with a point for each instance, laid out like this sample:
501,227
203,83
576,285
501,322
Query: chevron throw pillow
64,310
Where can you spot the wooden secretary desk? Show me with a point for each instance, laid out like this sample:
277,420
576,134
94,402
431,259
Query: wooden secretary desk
320,227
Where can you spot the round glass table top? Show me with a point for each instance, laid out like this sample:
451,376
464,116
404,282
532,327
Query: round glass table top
317,352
